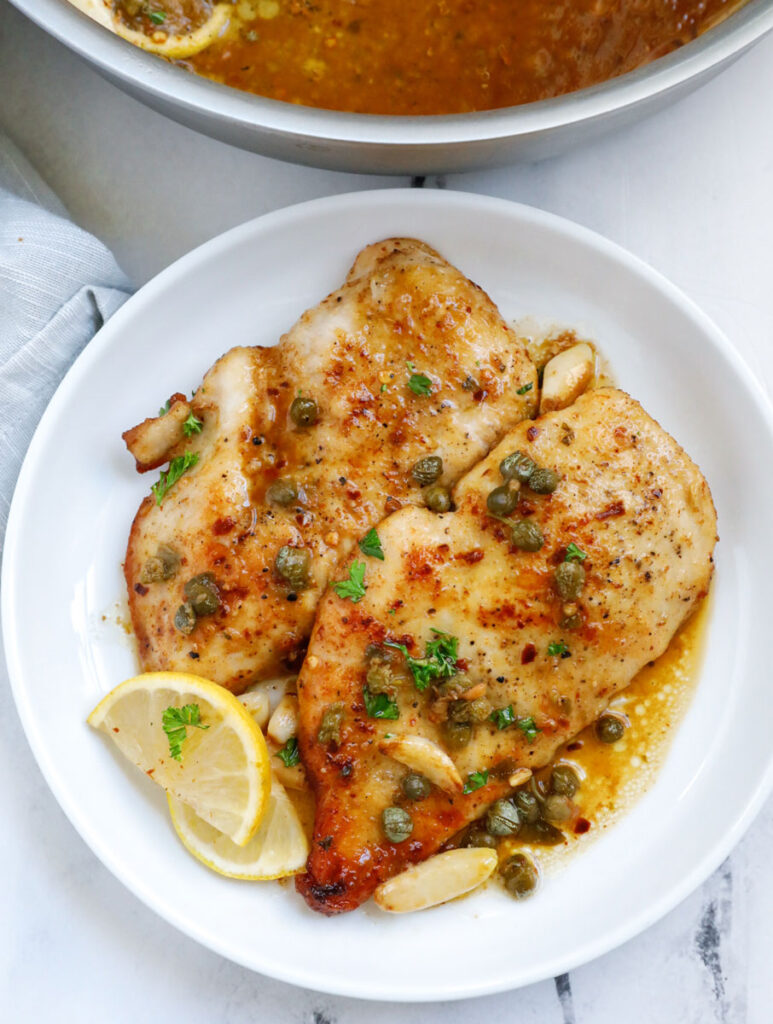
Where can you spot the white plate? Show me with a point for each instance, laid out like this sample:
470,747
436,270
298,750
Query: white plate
78,491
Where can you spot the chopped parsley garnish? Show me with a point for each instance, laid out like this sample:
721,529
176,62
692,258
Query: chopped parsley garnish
439,661
418,382
573,553
558,650
528,727
164,408
175,722
289,754
371,545
475,780
177,467
524,389
503,717
383,388
192,425
354,587
380,705
157,17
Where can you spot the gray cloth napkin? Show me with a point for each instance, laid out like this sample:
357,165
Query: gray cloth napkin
58,285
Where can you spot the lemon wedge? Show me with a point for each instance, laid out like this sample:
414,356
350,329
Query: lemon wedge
279,847
223,770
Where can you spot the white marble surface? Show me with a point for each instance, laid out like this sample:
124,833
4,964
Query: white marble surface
691,192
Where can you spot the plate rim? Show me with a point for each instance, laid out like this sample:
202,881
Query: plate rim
303,975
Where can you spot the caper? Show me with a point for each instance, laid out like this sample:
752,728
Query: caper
282,492
520,876
427,470
528,806
161,566
557,808
544,481
571,621
564,780
453,686
610,728
569,580
293,565
330,725
459,711
304,412
478,836
202,594
541,833
415,786
517,467
185,619
480,709
502,818
526,535
457,734
397,824
437,498
502,500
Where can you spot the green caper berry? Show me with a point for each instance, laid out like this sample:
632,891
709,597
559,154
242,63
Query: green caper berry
517,467
415,786
330,725
480,709
379,678
557,808
452,687
397,824
564,780
459,711
293,565
457,734
152,571
526,535
520,876
528,806
541,833
478,836
304,412
169,559
544,481
610,728
569,580
202,593
437,498
571,621
427,470
502,818
502,501
185,619
282,492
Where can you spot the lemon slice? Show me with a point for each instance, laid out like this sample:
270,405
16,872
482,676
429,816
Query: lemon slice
223,769
277,849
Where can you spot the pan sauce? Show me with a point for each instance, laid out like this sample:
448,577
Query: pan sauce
426,56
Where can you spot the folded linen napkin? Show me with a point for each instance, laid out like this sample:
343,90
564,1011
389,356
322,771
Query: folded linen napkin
58,285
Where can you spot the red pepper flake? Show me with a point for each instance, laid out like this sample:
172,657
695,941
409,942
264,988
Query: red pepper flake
581,826
532,433
528,654
224,525
116,729
617,508
139,589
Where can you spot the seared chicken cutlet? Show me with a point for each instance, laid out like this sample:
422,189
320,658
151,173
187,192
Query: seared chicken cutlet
484,641
288,455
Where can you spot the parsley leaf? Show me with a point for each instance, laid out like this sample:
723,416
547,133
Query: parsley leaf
175,722
192,425
502,717
418,382
439,661
380,705
528,727
289,754
524,389
574,553
353,588
157,17
558,650
475,780
164,408
179,465
371,545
